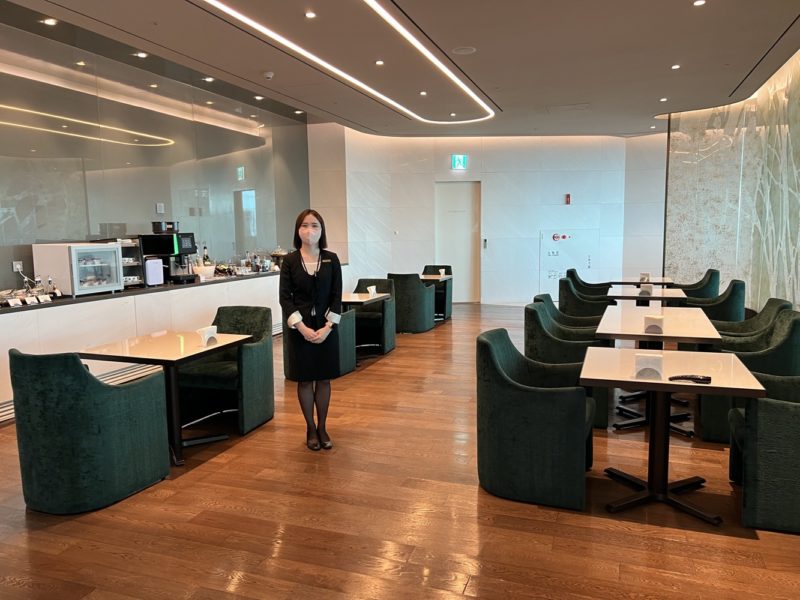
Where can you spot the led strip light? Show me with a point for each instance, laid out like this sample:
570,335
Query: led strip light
373,4
156,140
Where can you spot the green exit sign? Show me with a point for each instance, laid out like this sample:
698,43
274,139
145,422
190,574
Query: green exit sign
458,162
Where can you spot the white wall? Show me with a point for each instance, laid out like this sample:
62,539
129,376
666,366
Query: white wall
645,192
390,190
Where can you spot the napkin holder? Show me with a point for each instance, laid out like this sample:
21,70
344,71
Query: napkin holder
646,289
208,335
644,277
648,366
653,324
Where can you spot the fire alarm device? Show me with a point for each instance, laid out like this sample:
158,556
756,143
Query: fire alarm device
567,199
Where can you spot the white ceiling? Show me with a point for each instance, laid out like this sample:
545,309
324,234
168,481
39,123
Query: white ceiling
546,67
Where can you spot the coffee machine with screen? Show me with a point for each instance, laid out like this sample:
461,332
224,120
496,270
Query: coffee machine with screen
174,250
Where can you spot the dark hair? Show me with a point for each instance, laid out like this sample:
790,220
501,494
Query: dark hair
323,239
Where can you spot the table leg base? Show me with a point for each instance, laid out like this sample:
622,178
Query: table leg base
644,495
178,462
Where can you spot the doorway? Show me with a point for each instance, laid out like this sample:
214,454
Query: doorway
458,236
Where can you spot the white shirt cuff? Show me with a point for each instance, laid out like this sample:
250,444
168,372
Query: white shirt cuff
333,317
294,319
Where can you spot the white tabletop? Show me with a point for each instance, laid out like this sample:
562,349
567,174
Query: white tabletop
626,322
615,367
635,281
435,277
348,298
160,347
632,292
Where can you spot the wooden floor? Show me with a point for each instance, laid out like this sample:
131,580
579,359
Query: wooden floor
394,511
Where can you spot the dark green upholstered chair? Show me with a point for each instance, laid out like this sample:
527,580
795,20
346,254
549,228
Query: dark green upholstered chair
238,379
443,301
775,351
415,303
584,287
84,444
761,321
578,305
563,318
534,426
376,323
728,306
346,330
765,455
546,341
707,287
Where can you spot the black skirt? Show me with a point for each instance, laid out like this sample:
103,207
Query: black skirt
305,361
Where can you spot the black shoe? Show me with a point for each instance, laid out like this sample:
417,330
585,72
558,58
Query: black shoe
312,441
325,441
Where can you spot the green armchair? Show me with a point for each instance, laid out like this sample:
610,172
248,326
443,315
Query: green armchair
546,341
765,455
443,300
707,287
376,323
415,303
534,426
575,304
239,379
761,321
84,444
563,318
584,287
728,306
775,351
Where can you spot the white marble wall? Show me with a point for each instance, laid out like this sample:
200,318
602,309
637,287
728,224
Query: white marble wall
327,182
390,190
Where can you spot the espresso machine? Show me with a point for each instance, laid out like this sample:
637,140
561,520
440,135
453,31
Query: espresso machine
175,251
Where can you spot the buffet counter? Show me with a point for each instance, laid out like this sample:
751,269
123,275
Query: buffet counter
70,324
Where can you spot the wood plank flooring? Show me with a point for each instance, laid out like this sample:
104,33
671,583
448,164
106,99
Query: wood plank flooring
393,511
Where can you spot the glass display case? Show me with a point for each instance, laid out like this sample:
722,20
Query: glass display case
80,268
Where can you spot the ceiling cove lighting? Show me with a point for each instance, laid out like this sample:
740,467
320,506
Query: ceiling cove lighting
381,12
151,141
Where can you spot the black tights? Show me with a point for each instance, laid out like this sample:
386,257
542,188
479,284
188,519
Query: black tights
317,393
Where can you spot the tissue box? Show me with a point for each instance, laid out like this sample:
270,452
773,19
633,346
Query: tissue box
653,324
648,366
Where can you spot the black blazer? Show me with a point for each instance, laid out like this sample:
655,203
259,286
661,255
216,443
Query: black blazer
301,292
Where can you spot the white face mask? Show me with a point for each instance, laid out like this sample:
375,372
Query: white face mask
310,230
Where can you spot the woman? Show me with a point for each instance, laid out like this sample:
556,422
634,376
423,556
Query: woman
311,300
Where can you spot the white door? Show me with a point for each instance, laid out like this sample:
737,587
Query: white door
458,236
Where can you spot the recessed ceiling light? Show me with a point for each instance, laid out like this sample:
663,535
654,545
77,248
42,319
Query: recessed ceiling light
663,99
423,93
675,67
379,63
127,163
140,54
652,126
310,14
64,126
699,2
209,102
464,50
452,114
298,112
253,116
153,85
33,149
49,21
208,79
258,97
81,63
135,139
409,37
